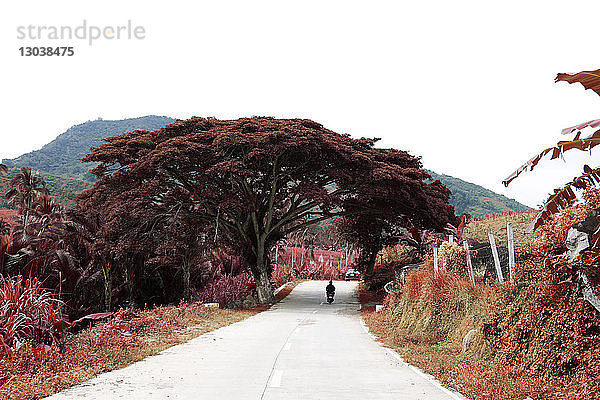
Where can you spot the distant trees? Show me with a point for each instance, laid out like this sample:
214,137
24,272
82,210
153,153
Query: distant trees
248,183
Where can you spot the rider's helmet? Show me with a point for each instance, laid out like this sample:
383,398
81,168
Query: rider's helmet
331,281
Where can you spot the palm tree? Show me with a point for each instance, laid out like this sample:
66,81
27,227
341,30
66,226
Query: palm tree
25,188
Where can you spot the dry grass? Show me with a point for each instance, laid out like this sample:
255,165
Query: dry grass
432,341
537,340
478,229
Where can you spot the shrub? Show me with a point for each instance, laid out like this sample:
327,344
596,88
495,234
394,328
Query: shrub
226,288
535,338
399,253
28,313
453,256
317,264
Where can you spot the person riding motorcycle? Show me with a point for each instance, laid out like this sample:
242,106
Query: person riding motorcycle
330,289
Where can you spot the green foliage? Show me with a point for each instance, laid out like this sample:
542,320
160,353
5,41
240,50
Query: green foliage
61,156
477,201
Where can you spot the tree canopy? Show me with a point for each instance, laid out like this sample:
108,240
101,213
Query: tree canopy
252,181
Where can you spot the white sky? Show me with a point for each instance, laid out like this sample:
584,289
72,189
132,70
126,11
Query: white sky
467,85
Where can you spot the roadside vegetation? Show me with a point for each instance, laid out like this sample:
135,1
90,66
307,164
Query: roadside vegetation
536,337
127,336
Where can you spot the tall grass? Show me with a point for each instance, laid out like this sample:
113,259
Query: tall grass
28,313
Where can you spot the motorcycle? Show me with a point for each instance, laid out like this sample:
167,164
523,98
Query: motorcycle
330,297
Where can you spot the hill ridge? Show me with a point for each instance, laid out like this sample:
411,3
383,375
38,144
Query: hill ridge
60,156
58,161
476,200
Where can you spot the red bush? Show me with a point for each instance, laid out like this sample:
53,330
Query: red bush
28,313
226,288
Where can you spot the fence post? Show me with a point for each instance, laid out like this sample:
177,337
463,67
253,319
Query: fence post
496,259
451,238
435,262
276,252
469,265
511,251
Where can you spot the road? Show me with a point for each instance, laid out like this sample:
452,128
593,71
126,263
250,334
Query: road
301,348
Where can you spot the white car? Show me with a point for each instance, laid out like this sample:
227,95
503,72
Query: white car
352,274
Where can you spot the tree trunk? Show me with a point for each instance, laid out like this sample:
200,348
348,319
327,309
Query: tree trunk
107,288
261,274
263,287
371,260
185,272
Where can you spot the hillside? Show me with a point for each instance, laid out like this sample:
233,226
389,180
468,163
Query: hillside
65,189
469,198
61,156
58,162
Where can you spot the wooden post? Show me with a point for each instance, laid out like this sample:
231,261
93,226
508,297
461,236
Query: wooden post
469,265
511,251
496,259
435,262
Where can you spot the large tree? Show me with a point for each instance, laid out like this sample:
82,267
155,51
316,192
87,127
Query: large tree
256,180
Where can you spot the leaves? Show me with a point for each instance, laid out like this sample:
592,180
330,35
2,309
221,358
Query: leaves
589,124
92,317
565,197
28,313
589,79
584,144
226,288
246,184
25,188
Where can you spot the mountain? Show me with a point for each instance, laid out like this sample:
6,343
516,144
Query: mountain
66,176
469,198
61,156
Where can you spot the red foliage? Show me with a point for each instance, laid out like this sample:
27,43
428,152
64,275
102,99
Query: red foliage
9,216
497,215
316,264
550,237
28,313
541,338
253,178
225,289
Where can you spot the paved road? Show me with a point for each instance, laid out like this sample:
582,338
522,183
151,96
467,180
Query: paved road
299,349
